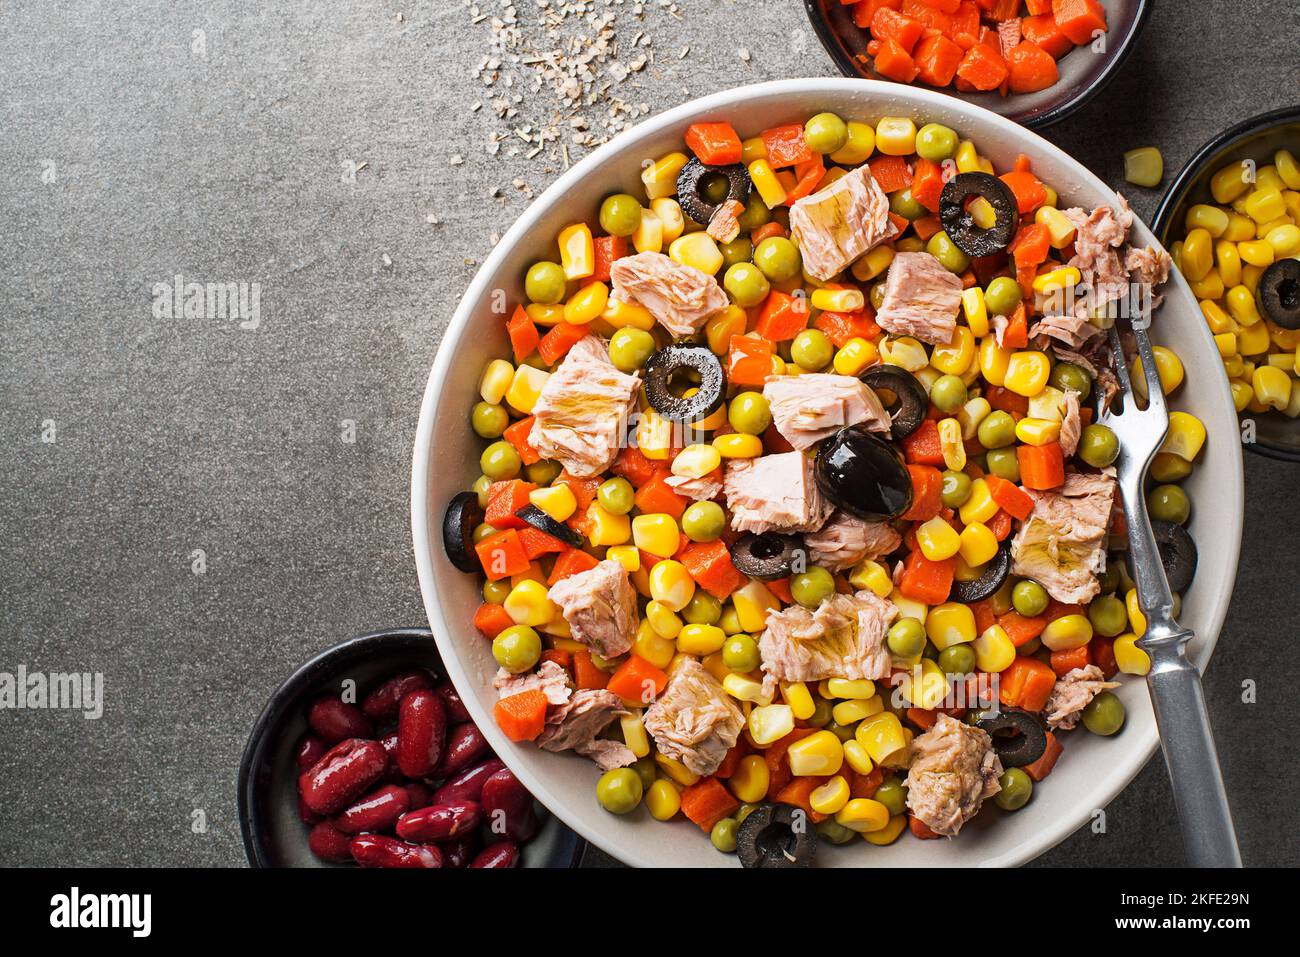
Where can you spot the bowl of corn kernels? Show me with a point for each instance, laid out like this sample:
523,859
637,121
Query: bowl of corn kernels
1231,221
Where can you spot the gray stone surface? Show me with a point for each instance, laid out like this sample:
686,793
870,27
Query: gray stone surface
173,435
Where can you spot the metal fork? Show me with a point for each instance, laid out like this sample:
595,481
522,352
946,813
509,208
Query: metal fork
1174,682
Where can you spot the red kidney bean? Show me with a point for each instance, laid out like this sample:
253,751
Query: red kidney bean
382,702
307,815
329,843
421,733
310,750
499,855
335,720
459,851
421,795
468,785
377,811
376,850
392,773
465,746
345,772
456,710
508,808
438,822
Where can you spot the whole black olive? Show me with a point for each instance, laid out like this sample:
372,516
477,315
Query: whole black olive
676,368
960,225
1177,554
768,556
776,835
463,515
539,520
1019,738
910,404
999,567
1279,293
864,475
690,193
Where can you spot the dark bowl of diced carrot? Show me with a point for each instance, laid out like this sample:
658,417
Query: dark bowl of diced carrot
1033,61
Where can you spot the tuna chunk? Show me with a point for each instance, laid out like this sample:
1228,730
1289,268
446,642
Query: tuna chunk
600,607
574,726
1147,265
1071,426
921,299
1098,237
837,225
846,540
843,638
808,408
697,489
1062,543
694,721
549,678
954,768
1071,330
1072,693
582,412
774,493
680,297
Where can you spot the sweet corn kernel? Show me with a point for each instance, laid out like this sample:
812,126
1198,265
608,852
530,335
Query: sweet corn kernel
859,146
1230,182
873,264
527,604
495,381
699,639
654,435
1264,205
881,735
1048,404
752,603
994,650
660,177
854,710
1284,239
924,685
619,315
967,158
766,184
872,576
1227,262
1242,394
669,214
1241,304
855,356
586,304
1137,621
1239,227
1027,373
750,781
676,770
1186,436
697,461
896,135
1218,320
648,237
656,533
1272,387
938,540
904,352
634,734
799,698
855,755
1227,344
978,544
768,723
951,623
975,310
994,361
1210,287
971,414
721,327
698,250
1210,218
1060,231
889,833
958,355
525,387
1144,166
745,688
864,815
1288,169
664,620
1253,340
1066,277
1067,633
738,445
577,251
1256,252
830,797
838,299
652,646
1131,659
850,687
671,584
663,800
982,213
1038,431
1197,256
606,528
980,507
951,444
817,755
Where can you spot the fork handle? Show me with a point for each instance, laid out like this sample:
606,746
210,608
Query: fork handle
1206,821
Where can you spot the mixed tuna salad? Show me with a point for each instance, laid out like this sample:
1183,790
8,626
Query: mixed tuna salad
794,510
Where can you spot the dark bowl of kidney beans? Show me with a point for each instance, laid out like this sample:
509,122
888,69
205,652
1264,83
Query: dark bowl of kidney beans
366,755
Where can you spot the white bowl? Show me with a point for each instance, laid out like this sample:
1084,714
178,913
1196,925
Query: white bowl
1091,771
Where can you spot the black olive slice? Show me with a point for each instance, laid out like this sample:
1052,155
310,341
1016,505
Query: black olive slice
768,556
910,404
1279,293
776,835
1177,553
690,195
463,515
676,368
535,517
960,226
999,567
864,475
1019,738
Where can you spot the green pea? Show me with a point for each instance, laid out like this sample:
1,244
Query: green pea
948,394
1167,467
812,350
739,250
1029,598
906,637
480,488
723,835
619,791
811,587
943,249
703,608
833,832
629,348
957,660
821,715
1016,788
1098,446
500,461
740,654
893,795
778,258
877,295
956,488
1004,463
545,283
936,142
1067,376
1169,503
756,213
825,133
496,592
544,472
616,496
704,522
1111,578
1108,616
749,413
646,770
842,731
1104,714
745,811
517,648
1002,295
746,284
620,214
489,419
901,203
997,431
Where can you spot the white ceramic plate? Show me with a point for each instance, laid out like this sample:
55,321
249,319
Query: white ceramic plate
1091,771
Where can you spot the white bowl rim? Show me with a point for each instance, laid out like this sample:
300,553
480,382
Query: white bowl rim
1136,753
